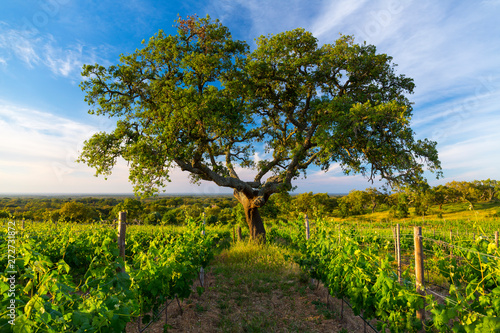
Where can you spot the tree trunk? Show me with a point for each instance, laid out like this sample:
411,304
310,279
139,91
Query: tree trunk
255,224
252,216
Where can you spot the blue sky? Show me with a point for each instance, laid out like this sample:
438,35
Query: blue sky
450,48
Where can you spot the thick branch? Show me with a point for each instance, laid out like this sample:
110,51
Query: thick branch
266,168
229,165
206,173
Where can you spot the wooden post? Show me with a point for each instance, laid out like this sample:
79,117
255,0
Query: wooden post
202,277
239,234
496,238
234,234
122,227
204,222
307,227
419,267
202,271
398,249
308,235
395,242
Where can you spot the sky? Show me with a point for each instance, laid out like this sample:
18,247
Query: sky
450,48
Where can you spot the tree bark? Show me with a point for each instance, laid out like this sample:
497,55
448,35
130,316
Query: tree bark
252,216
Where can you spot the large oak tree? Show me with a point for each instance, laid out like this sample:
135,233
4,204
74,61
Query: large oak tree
201,101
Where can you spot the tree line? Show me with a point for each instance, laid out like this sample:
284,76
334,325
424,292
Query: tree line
399,202
226,209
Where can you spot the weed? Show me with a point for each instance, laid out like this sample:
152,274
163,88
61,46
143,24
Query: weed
200,308
223,305
323,310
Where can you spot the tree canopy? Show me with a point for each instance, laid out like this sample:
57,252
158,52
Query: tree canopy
204,102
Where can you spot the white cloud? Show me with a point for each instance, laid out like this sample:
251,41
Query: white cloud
480,154
450,50
334,15
21,45
34,49
63,62
262,17
460,118
38,152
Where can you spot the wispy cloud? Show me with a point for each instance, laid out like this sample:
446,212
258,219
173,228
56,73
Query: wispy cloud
260,17
334,15
18,44
38,152
34,49
449,49
472,159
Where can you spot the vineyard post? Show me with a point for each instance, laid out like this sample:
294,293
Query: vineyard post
308,235
307,227
398,251
202,271
202,277
204,223
239,234
496,238
419,268
395,242
234,234
122,227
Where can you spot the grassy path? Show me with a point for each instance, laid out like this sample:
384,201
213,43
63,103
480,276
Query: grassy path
252,289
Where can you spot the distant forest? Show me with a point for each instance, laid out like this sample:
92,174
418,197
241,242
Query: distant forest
224,209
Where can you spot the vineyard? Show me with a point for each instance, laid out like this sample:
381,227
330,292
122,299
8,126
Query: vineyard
73,278
459,290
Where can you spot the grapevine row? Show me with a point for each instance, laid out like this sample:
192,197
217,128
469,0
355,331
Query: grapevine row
68,281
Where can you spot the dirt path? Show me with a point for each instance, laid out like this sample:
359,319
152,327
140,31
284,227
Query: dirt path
260,296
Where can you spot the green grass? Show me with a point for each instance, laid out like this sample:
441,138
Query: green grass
250,262
259,289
